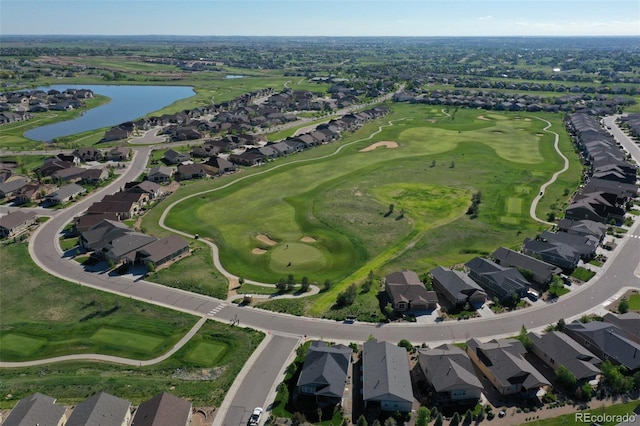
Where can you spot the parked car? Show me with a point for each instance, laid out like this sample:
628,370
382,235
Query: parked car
254,420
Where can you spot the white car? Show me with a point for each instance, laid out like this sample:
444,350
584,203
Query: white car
254,420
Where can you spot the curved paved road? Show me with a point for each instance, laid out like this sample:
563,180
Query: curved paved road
616,274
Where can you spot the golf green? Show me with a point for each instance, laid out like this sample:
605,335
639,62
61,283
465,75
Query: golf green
296,257
124,338
20,344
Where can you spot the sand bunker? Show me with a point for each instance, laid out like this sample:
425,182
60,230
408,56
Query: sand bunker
308,240
482,117
258,251
387,144
264,239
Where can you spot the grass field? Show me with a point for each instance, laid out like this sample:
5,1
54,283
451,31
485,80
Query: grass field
202,372
60,317
612,410
634,302
342,200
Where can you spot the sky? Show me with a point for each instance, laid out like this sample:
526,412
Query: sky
322,17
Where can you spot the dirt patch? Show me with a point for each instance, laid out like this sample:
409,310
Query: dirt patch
308,240
386,144
527,119
482,117
264,239
539,135
258,251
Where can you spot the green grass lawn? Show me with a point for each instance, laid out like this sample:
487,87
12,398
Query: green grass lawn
583,274
60,317
614,410
202,372
634,302
342,200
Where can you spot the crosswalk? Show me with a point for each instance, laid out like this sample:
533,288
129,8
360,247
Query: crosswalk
634,236
216,309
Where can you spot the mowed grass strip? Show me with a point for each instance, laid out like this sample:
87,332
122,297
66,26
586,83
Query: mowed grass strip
60,318
128,340
206,353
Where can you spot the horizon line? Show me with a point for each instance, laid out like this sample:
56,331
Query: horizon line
323,36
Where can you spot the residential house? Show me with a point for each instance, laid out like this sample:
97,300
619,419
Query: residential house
162,251
456,287
172,156
223,165
629,322
120,153
94,176
65,193
96,238
324,373
557,349
88,154
15,222
84,223
585,245
386,381
562,255
499,281
594,206
101,409
407,292
116,133
535,270
70,174
249,158
124,248
193,171
583,228
32,192
503,363
164,409
160,174
450,375
125,209
12,185
606,341
36,409
152,189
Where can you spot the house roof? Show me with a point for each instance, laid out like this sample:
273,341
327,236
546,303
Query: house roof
512,258
448,368
160,249
164,409
406,287
161,170
12,185
35,409
582,244
103,232
66,192
567,352
504,358
459,284
386,372
145,186
506,278
629,322
101,409
611,340
84,223
16,218
583,227
325,368
125,245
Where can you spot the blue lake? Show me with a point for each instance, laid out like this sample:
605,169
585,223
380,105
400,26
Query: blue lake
128,103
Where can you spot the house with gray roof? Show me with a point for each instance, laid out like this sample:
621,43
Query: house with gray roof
503,363
160,174
15,222
123,249
407,292
171,156
65,193
499,281
456,287
540,272
629,322
164,409
101,233
12,186
557,349
36,409
386,380
583,227
222,165
163,250
450,374
101,409
324,373
606,341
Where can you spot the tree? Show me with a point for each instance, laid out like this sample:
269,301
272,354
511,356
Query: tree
347,297
304,285
281,285
376,422
524,338
390,422
362,421
388,309
623,306
240,280
404,343
565,378
561,324
468,417
423,416
453,164
585,392
439,420
455,420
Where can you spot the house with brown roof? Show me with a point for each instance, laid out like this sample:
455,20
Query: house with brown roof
32,192
94,176
120,153
407,292
164,409
88,154
193,171
162,251
14,223
160,174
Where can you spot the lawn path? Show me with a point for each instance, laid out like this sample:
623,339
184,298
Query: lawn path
109,358
233,280
543,187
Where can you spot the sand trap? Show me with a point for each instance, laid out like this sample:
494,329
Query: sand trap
527,119
308,240
387,144
258,251
539,134
482,117
264,239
